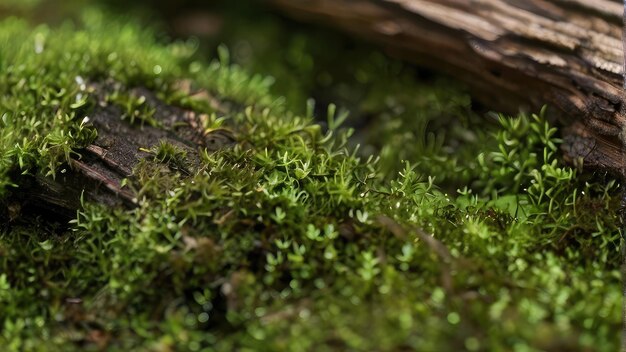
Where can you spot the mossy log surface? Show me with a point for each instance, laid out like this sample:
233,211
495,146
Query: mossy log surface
511,53
209,212
97,172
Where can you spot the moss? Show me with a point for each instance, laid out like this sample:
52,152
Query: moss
295,239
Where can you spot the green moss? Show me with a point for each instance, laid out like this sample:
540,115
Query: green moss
294,239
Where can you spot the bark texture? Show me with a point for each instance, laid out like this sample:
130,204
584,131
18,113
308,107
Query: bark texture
512,54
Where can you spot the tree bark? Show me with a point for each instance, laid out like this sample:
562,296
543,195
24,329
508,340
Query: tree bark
511,53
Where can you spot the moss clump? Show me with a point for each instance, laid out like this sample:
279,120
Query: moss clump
292,239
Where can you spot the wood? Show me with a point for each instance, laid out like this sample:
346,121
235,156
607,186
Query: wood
513,54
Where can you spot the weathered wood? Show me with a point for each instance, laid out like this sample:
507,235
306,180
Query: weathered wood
512,53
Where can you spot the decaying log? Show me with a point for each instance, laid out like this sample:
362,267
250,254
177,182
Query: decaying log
512,54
